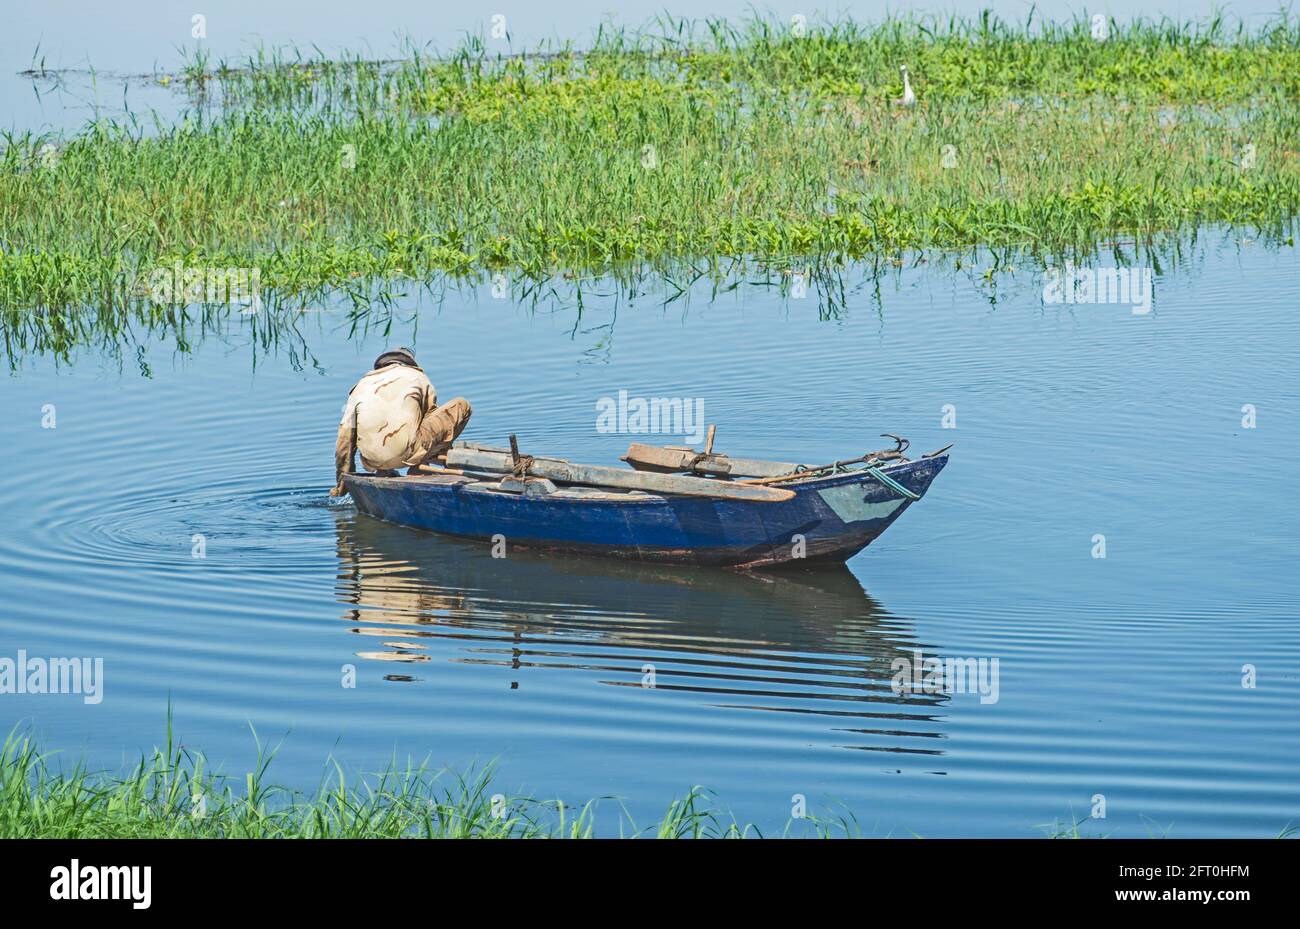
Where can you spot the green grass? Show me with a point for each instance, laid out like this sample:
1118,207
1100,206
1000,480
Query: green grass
158,798
693,145
1164,61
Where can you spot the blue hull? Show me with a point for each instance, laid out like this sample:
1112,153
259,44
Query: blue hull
829,519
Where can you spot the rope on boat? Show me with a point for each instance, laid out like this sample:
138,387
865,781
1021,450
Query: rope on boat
891,483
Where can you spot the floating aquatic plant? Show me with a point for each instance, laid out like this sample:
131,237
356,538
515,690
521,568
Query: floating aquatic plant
693,143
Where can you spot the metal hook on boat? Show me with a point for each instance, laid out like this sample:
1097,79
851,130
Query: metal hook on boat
901,443
888,454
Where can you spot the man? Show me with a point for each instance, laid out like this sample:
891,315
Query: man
393,412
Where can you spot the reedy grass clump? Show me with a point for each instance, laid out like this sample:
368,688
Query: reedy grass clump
662,149
1163,60
173,793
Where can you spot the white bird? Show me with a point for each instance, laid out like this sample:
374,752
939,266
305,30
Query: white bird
908,100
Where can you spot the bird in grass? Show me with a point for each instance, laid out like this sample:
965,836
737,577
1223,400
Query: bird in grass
908,100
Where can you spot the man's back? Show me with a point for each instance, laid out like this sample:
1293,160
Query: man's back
393,415
389,403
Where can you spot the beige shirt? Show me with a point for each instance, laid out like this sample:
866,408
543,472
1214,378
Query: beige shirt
389,403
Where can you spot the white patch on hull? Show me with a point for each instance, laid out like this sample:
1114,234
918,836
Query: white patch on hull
850,504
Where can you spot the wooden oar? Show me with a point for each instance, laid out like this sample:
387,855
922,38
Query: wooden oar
567,472
671,458
668,459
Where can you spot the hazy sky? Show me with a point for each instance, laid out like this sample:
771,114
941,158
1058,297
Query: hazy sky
135,35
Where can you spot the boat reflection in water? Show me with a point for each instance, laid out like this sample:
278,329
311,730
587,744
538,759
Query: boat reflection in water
810,643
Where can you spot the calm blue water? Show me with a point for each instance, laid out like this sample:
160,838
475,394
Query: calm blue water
1119,676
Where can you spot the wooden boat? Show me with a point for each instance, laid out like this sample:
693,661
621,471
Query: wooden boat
783,514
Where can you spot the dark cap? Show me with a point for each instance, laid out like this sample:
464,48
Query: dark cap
396,356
